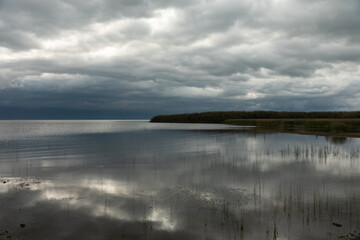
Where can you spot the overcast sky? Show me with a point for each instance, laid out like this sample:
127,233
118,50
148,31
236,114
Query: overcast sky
174,56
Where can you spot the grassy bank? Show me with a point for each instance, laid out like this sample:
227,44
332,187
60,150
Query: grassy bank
300,122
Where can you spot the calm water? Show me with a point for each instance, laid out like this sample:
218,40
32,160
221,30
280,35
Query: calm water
139,180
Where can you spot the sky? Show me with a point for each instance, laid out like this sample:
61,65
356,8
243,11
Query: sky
139,58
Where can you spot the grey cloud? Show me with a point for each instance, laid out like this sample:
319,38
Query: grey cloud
17,40
180,55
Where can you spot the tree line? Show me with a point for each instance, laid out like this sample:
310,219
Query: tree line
220,117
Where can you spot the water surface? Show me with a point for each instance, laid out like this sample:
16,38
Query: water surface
141,180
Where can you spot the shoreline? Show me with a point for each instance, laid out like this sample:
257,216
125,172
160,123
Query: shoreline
322,134
335,124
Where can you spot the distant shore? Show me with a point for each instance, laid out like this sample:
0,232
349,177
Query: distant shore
314,123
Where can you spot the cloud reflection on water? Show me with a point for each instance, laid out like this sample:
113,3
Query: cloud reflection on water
161,184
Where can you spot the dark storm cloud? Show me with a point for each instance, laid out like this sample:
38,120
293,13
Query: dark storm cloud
168,56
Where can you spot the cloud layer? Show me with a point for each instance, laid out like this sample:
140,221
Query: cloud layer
180,56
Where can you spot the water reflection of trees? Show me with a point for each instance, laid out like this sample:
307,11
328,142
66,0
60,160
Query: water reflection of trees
337,140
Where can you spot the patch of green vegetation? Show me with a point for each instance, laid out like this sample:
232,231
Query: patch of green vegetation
328,122
220,117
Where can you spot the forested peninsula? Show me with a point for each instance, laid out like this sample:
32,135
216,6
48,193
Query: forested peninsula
333,122
221,117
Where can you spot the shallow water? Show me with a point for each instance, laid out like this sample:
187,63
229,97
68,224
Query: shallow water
140,180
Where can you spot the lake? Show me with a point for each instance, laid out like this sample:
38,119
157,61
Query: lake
141,180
